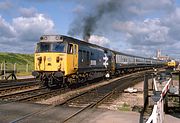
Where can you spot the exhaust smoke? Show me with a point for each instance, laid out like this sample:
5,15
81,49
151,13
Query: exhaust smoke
86,25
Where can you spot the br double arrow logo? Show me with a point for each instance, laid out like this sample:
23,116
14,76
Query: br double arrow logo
105,58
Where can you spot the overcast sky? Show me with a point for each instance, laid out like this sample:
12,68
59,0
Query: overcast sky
137,27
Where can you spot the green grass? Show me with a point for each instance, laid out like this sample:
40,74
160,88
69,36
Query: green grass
21,60
17,58
24,74
124,107
176,77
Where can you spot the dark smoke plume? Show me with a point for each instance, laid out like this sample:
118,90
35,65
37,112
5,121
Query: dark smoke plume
86,25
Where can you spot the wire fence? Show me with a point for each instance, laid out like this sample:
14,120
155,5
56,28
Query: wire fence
18,68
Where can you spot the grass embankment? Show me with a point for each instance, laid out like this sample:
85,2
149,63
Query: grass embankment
21,61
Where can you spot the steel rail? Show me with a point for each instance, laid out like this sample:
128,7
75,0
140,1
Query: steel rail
9,89
15,96
90,105
18,80
97,102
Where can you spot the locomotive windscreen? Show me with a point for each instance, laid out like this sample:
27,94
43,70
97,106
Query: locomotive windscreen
50,47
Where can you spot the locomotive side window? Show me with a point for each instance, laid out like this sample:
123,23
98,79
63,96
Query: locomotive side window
80,56
87,55
88,58
70,48
84,55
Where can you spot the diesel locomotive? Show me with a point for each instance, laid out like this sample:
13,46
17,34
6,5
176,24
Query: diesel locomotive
172,64
62,60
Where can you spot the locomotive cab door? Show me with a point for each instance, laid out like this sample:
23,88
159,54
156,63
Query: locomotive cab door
72,58
75,56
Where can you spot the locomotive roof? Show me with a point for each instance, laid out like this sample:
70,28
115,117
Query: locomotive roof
71,39
62,38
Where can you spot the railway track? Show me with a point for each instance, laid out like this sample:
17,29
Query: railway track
30,95
96,97
7,82
20,95
90,99
42,95
14,86
35,94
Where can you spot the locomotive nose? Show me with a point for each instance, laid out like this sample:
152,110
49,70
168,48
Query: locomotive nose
50,62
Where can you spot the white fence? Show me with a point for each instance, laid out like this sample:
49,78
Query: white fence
15,67
157,115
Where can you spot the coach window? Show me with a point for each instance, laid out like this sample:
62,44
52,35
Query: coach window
70,48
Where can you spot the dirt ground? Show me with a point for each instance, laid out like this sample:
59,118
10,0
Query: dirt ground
127,101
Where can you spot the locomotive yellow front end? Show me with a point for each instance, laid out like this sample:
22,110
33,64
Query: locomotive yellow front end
49,62
52,61
172,64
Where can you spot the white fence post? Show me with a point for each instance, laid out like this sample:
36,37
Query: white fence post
6,67
1,66
14,67
4,70
27,66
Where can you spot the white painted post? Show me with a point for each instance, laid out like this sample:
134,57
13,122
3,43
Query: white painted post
1,70
154,114
4,70
27,67
155,86
1,66
14,67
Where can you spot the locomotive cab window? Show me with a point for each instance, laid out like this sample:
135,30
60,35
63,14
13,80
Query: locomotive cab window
50,47
58,47
70,48
42,47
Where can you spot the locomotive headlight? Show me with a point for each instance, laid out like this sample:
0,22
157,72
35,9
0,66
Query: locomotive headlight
57,59
49,59
60,38
43,38
57,37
